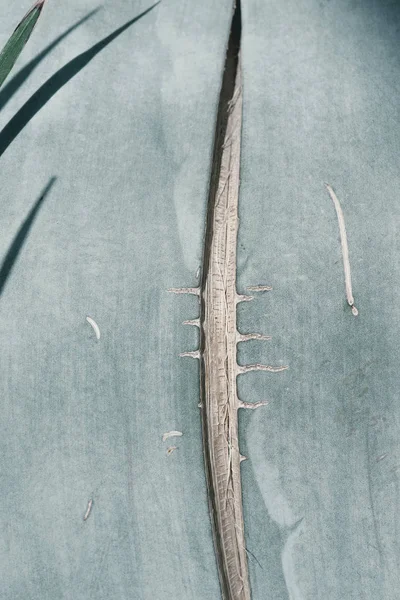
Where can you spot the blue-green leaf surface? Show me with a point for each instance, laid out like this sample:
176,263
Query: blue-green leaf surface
321,487
129,138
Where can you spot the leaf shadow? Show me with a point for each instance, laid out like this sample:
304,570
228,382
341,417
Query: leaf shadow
21,237
9,89
56,82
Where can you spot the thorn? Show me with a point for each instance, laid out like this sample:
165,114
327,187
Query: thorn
259,288
194,291
243,298
258,367
194,354
194,322
253,405
244,337
242,458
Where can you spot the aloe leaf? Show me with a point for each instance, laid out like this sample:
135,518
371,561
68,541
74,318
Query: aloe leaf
17,41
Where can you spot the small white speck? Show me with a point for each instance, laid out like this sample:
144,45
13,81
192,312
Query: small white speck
171,434
89,508
96,328
381,457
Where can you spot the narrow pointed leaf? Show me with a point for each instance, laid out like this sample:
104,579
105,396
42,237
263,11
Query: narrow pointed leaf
17,41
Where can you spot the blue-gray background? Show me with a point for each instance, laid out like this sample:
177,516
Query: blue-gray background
321,105
129,138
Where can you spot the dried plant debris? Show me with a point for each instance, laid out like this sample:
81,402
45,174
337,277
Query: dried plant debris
345,249
219,337
96,328
171,449
170,434
88,510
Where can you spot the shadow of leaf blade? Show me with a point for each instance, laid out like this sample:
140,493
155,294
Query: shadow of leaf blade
21,237
15,83
55,83
18,39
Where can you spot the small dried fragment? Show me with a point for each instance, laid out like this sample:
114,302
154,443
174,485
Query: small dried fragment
381,457
170,434
96,328
345,249
88,510
170,449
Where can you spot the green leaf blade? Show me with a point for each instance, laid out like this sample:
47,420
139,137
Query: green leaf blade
17,41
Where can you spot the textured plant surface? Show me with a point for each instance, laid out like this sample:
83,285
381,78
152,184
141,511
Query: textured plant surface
102,487
219,336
